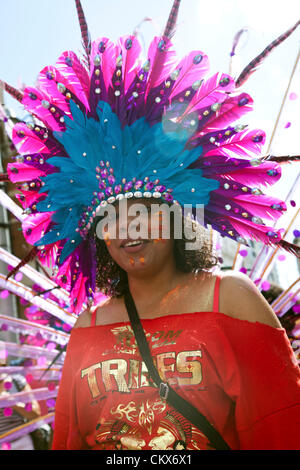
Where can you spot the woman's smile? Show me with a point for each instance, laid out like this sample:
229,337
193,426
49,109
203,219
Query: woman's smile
134,246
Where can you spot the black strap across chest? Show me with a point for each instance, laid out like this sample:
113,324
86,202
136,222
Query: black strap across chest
165,391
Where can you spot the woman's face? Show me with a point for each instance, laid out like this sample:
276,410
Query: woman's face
134,237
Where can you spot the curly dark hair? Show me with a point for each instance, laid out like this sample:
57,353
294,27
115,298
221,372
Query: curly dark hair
112,280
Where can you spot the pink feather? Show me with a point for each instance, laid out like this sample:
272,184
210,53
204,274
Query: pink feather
249,230
35,107
255,175
26,140
211,92
63,277
78,294
130,59
27,198
241,144
261,206
48,255
107,57
35,225
189,72
162,62
49,87
75,75
229,112
257,205
22,172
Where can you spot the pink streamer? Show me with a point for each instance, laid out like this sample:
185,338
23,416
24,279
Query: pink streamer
26,351
38,394
27,327
48,305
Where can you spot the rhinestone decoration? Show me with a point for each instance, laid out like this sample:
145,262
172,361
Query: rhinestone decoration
256,191
174,75
255,162
272,234
161,45
257,220
119,61
101,46
118,192
61,87
197,59
146,66
128,44
196,85
215,106
225,81
97,60
45,104
243,101
277,207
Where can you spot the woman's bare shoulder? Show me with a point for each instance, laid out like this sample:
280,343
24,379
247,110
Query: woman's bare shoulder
241,299
103,310
84,319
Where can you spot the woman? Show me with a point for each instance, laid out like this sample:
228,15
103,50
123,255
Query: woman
220,345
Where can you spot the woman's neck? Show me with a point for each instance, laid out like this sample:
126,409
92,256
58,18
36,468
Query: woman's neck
151,290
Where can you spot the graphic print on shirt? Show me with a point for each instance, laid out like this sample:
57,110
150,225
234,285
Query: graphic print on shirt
142,421
148,425
123,375
126,343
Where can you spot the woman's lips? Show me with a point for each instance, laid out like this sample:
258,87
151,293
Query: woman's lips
134,246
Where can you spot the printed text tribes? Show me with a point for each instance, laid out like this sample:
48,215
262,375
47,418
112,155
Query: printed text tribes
126,374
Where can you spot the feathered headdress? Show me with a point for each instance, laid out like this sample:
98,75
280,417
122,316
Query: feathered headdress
115,126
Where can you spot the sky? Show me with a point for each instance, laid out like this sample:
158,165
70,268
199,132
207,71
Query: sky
33,34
